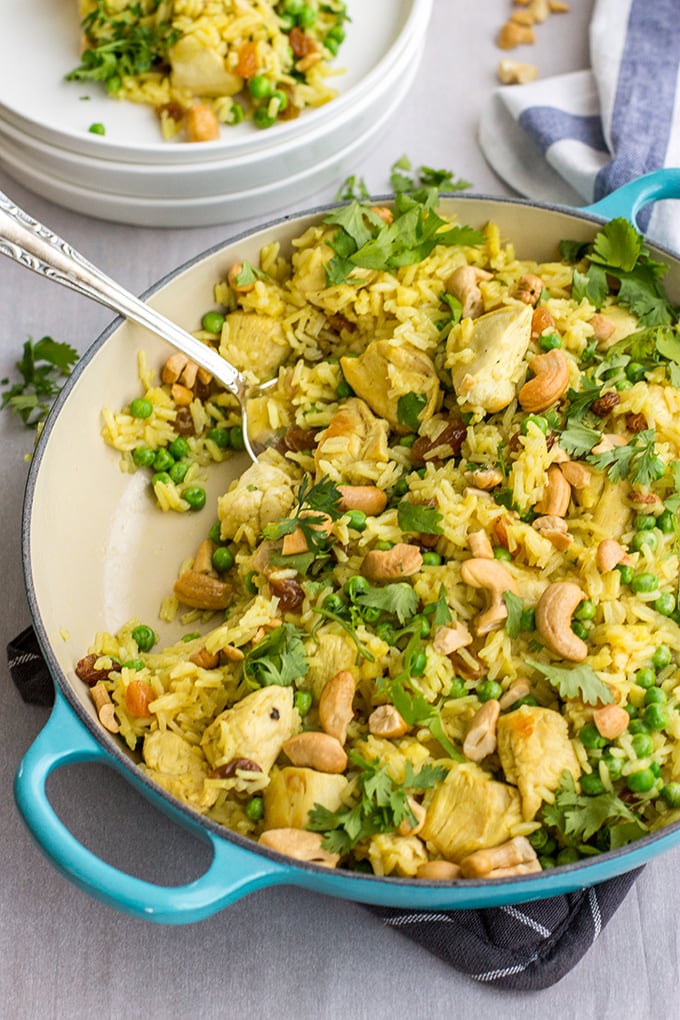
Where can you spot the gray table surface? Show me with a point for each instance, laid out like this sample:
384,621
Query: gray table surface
283,952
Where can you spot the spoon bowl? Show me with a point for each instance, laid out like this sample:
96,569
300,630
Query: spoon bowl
36,247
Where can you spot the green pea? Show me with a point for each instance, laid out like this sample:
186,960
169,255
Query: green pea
332,45
178,471
262,118
387,632
627,573
645,677
637,726
488,690
631,710
457,688
641,781
236,438
662,657
213,322
590,737
644,522
671,794
527,620
255,809
236,113
141,408
418,663
655,696
666,522
622,385
356,520
336,33
549,341
534,419
355,586
528,699
580,629
195,496
550,847
145,637
539,838
643,745
222,559
501,553
635,371
401,486
591,784
585,610
343,390
569,855
97,129
179,448
293,7
408,440
334,603
656,769
163,460
656,717
421,625
382,545
370,614
644,540
161,478
665,604
302,701
307,17
644,583
432,559
220,437
614,765
546,862
135,664
143,456
215,533
249,582
260,87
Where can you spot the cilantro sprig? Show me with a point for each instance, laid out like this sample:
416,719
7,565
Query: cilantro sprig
578,817
382,804
637,460
575,682
44,367
279,658
315,503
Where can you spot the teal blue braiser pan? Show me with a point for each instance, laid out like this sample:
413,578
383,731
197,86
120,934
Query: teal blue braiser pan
240,866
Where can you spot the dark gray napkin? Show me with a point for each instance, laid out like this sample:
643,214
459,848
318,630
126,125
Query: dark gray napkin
523,947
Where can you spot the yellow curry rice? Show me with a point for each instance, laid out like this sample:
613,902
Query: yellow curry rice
437,621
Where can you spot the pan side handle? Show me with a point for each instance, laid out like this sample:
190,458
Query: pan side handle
627,200
232,873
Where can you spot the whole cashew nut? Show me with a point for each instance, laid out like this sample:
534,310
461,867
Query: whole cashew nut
386,721
299,843
464,284
611,721
481,863
480,739
438,871
551,379
335,705
368,498
609,554
402,560
317,751
493,577
480,545
553,620
556,495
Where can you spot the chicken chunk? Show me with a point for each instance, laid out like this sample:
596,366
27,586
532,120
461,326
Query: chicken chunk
253,729
201,70
256,343
292,793
470,811
333,654
534,749
386,372
263,493
486,357
178,766
353,435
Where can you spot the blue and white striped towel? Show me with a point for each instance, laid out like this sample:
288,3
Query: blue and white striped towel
574,138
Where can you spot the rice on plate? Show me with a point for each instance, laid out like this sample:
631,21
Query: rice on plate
433,632
201,64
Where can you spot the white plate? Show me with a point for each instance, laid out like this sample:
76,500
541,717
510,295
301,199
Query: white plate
198,212
235,173
47,107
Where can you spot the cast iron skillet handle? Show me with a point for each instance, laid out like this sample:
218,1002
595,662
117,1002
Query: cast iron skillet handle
630,198
233,871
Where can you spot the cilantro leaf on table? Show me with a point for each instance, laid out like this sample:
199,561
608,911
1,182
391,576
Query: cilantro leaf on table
44,367
382,804
414,517
579,817
575,682
279,658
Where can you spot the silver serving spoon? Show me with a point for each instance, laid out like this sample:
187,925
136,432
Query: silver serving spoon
35,246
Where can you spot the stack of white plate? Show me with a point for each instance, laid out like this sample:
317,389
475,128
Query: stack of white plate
131,175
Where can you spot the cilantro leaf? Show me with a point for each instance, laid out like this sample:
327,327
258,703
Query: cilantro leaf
442,613
417,711
409,407
279,658
618,245
591,285
581,400
515,606
44,367
315,504
414,517
397,599
578,439
575,682
636,460
579,817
